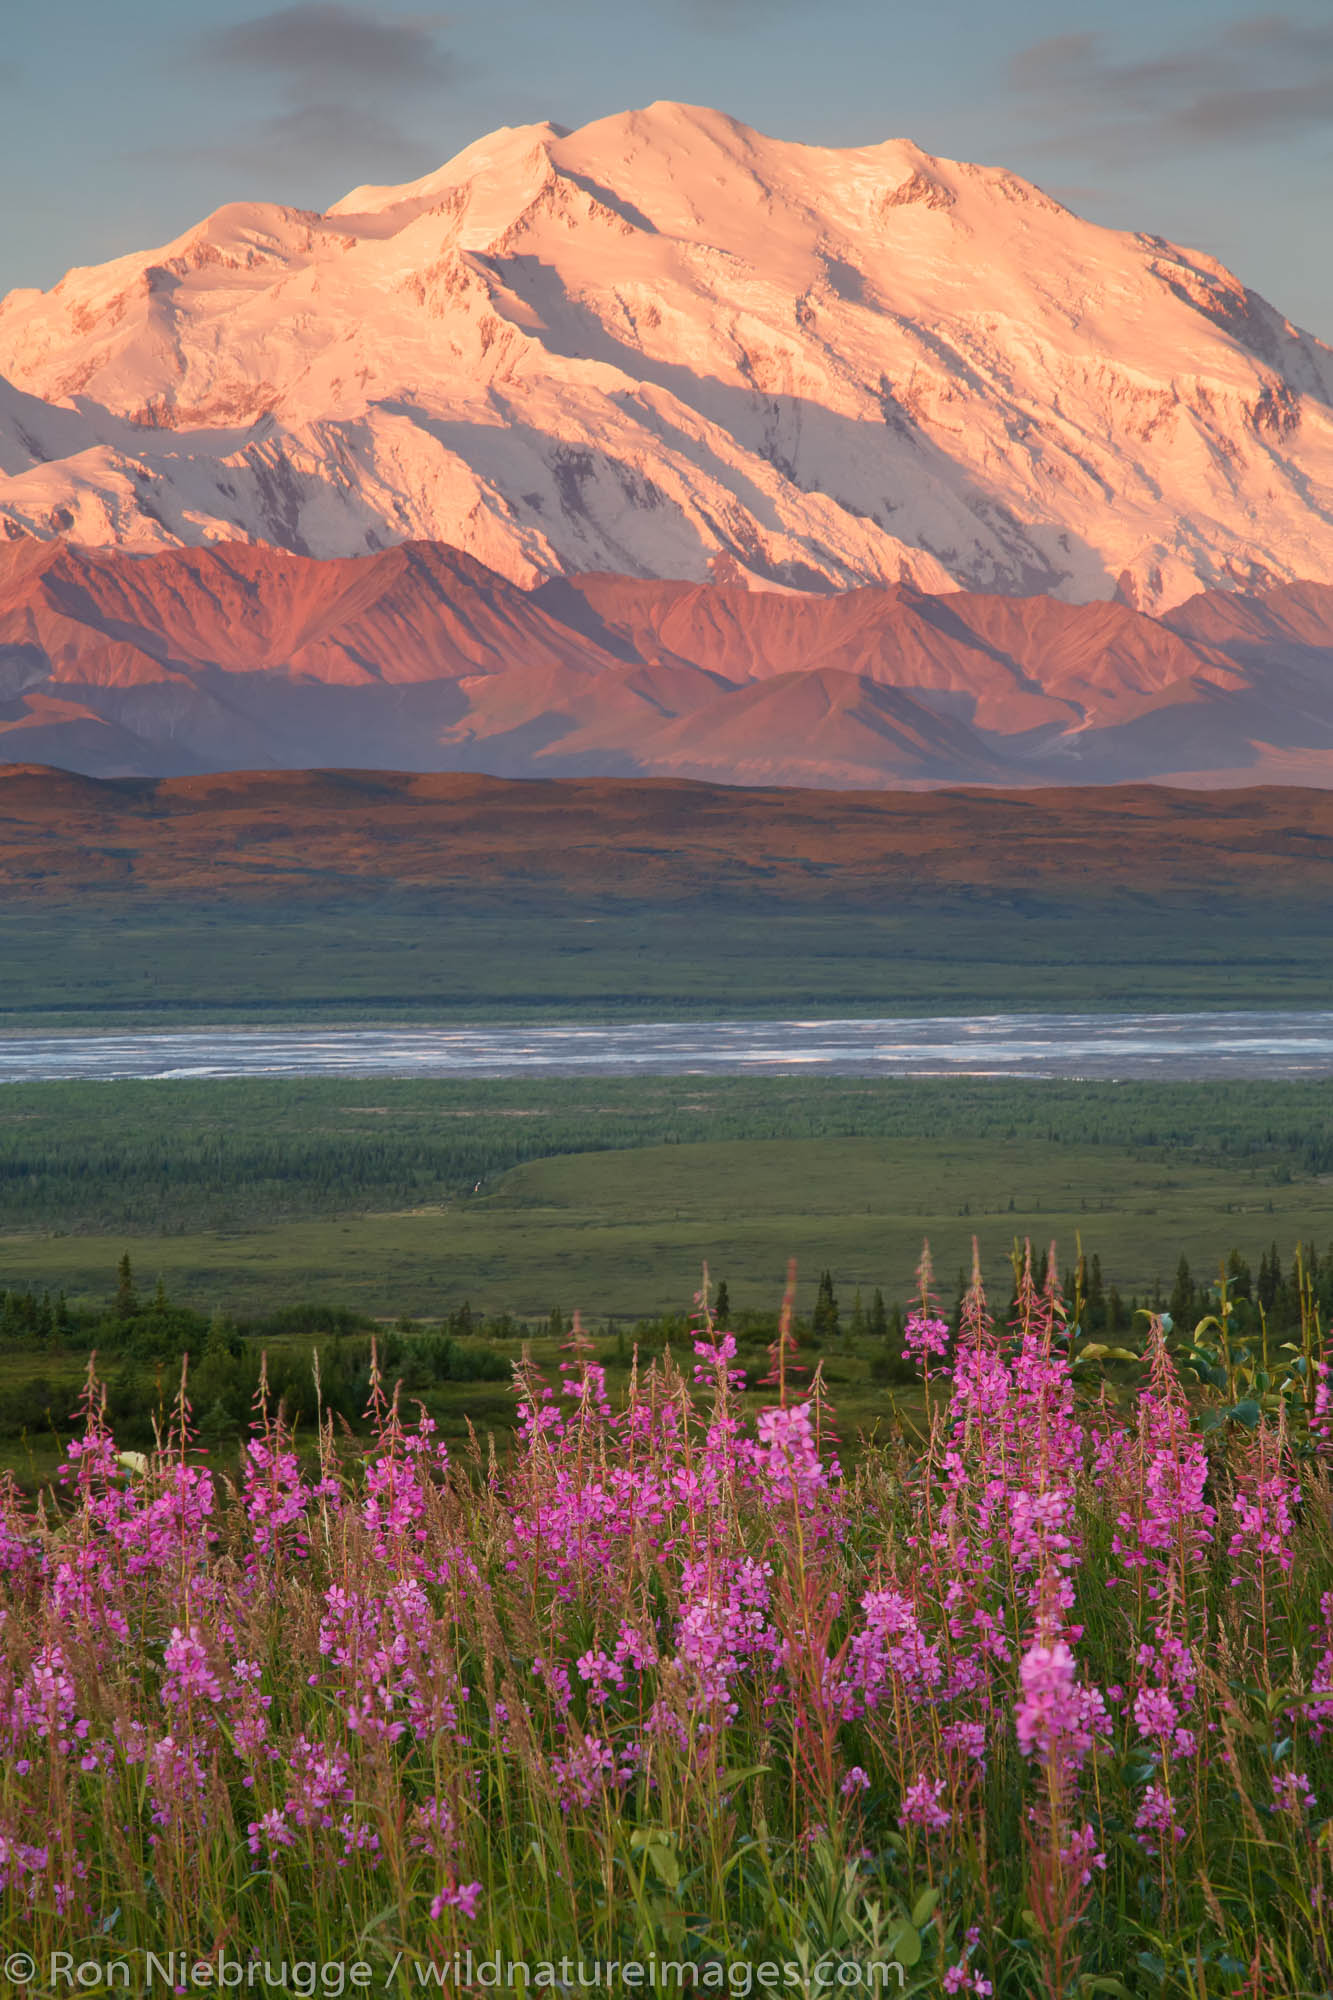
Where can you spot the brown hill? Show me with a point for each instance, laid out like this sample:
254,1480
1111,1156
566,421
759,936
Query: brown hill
421,658
334,833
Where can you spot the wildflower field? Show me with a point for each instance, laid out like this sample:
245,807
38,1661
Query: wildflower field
1033,1700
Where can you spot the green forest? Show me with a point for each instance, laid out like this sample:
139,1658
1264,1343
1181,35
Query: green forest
109,962
167,1156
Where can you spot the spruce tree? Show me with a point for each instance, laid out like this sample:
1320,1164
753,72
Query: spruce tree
1181,1305
879,1324
127,1303
824,1325
1270,1278
722,1308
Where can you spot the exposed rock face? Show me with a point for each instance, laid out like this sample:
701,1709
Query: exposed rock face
668,346
421,658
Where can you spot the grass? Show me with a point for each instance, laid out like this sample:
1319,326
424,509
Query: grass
376,1183
630,1229
460,1410
407,956
152,1160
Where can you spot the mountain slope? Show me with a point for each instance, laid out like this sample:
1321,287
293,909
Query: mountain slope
668,346
286,833
420,658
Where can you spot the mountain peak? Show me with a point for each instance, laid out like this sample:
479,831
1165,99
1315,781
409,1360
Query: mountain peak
495,154
670,345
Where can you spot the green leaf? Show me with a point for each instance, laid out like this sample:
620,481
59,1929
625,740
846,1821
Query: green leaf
665,1866
1154,1966
1246,1412
1104,1982
923,1909
731,1781
905,1946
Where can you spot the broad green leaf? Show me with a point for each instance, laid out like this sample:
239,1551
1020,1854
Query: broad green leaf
905,1946
665,1866
923,1909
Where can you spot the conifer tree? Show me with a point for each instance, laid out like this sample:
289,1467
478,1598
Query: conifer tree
1181,1305
824,1326
127,1303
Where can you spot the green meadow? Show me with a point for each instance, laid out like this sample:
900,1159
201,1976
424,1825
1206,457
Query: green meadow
109,962
409,1197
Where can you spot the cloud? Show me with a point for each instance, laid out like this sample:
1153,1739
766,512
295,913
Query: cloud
1265,76
327,85
322,44
338,135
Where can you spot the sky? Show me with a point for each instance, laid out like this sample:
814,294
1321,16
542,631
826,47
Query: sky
1199,120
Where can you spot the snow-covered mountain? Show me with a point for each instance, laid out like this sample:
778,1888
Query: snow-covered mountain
668,346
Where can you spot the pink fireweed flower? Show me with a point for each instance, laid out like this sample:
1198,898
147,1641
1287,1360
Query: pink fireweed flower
922,1807
433,1828
176,1780
967,1740
464,1897
52,1698
1082,1855
925,1336
189,1677
855,1781
960,1978
1292,1793
318,1776
715,1362
1154,1712
789,1462
358,1839
272,1832
891,1651
1265,1521
585,1773
275,1495
1155,1820
1057,1720
1321,1414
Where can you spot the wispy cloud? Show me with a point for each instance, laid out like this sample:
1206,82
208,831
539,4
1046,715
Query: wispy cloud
322,43
334,79
1265,76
